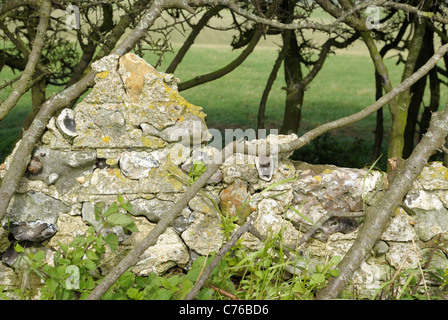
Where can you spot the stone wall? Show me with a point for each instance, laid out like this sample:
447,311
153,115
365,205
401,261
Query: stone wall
128,137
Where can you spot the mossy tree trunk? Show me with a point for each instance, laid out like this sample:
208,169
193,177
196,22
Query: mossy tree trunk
294,88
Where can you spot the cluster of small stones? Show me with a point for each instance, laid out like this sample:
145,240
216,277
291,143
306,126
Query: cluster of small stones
123,138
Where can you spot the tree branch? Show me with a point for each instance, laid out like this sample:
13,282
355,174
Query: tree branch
312,134
192,37
221,253
51,106
33,59
379,216
198,80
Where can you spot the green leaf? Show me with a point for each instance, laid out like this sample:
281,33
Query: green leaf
165,283
126,280
163,294
335,273
186,286
119,219
39,256
128,207
120,199
64,247
111,210
18,248
91,255
90,265
77,255
206,294
320,268
335,260
132,227
134,293
112,241
99,207
317,278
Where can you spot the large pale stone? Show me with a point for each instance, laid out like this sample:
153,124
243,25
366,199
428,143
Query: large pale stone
204,235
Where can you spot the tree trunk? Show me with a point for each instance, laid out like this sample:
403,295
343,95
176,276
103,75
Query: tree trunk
379,127
294,89
268,87
417,93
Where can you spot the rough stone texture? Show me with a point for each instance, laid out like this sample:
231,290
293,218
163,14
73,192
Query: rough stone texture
134,135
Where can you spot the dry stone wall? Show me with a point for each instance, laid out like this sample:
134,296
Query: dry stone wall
134,135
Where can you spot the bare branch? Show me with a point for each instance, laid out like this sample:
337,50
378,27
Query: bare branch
192,37
378,217
221,253
310,135
22,85
51,106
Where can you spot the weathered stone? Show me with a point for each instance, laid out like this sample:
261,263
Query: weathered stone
402,255
380,247
204,235
35,231
400,228
136,165
154,209
434,176
165,178
269,222
68,227
108,182
62,168
235,201
169,250
34,206
431,217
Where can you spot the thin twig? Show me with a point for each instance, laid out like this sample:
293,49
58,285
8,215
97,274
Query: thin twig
421,270
221,253
225,293
396,273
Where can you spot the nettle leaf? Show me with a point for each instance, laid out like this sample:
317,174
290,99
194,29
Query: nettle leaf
111,240
90,265
111,210
77,255
99,207
39,256
64,247
128,207
134,293
120,199
91,255
119,219
132,227
126,280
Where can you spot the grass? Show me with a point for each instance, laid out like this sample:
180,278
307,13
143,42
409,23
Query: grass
344,86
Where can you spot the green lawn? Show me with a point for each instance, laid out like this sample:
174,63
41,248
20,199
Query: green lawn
344,86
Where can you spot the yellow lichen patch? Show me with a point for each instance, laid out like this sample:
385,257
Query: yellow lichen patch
153,142
102,75
175,96
318,178
326,171
106,139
